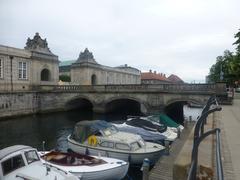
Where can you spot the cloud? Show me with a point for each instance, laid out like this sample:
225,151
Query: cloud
169,36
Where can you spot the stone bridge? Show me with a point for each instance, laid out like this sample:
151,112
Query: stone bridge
105,98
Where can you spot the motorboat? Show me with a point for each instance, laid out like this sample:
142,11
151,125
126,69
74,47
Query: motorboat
86,167
99,137
23,162
165,120
148,130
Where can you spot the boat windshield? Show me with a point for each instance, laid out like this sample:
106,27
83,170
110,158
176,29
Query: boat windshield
110,131
31,156
141,142
135,146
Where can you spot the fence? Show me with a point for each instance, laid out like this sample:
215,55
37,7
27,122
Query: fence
200,135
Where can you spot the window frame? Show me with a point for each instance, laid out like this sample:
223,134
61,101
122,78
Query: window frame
12,169
109,144
22,70
127,145
27,158
1,68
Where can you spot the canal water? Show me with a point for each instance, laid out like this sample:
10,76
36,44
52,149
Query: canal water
53,128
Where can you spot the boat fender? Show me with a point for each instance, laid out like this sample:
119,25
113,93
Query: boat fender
92,140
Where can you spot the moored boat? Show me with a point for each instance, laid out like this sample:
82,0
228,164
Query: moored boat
87,167
148,130
102,138
23,162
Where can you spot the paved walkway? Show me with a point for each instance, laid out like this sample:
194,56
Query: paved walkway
163,169
229,122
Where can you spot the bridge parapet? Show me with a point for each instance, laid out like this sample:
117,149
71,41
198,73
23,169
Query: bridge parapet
169,88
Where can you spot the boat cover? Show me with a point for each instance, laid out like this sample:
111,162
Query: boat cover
145,134
84,129
164,119
145,124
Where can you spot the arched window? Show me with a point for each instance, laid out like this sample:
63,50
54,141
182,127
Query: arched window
94,79
45,75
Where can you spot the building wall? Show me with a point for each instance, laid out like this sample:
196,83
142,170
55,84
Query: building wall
104,75
35,60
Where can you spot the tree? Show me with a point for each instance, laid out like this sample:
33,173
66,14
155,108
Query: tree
237,42
65,78
228,64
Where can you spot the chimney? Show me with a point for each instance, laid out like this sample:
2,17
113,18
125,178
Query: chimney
150,71
155,72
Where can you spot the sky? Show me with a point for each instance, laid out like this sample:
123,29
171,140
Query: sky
181,37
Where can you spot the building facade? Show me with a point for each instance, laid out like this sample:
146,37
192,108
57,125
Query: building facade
86,71
22,69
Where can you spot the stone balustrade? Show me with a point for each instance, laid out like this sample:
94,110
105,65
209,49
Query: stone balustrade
174,88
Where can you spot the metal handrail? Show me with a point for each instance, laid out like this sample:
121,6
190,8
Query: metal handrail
211,101
200,123
198,137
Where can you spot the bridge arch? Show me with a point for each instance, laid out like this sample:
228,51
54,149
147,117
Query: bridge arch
126,104
174,108
79,102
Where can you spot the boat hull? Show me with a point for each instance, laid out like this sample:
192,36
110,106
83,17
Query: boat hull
110,168
131,157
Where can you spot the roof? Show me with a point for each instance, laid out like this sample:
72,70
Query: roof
9,150
175,78
153,76
66,63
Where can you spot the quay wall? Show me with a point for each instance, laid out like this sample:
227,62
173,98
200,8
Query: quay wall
18,103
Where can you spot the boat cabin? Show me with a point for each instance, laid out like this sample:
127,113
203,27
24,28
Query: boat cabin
16,157
103,134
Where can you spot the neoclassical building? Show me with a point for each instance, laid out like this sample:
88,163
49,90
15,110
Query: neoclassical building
86,71
22,69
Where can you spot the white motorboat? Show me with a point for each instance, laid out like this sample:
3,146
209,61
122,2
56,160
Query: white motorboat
148,130
22,162
102,138
86,167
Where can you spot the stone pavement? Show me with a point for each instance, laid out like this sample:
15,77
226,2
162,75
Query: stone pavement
229,122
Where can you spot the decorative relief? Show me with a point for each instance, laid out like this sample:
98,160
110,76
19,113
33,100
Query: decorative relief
37,43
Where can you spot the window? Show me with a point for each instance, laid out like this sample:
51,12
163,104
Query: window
22,70
122,146
12,164
45,75
1,68
107,144
31,156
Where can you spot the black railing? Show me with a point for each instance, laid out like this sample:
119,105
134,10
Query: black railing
200,136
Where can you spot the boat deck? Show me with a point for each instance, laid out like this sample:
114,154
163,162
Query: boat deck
163,169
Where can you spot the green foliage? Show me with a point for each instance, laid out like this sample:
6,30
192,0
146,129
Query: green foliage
237,42
65,78
228,64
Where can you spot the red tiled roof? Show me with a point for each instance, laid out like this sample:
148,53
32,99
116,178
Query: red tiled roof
153,76
175,78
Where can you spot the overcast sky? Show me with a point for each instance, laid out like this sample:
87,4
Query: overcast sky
182,37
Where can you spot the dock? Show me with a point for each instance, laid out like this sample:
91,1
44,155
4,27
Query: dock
163,169
228,120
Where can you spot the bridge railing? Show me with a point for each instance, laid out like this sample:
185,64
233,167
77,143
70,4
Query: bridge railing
207,88
200,136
